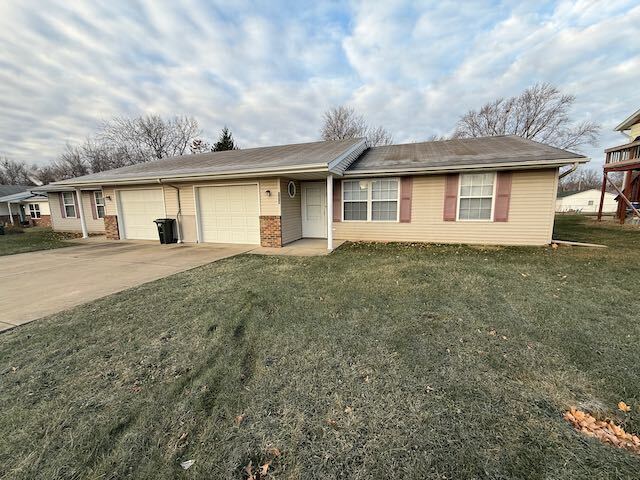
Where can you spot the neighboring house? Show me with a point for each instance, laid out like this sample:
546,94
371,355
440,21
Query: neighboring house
18,205
585,201
625,158
493,190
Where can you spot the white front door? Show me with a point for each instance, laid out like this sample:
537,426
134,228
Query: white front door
314,209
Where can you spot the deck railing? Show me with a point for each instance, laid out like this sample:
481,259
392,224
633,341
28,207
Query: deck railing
623,153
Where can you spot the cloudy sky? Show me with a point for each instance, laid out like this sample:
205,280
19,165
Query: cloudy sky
269,69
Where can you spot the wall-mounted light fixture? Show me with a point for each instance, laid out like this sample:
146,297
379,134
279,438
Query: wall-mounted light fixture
108,197
268,193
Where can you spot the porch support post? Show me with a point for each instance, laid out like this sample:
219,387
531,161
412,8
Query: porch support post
602,192
10,214
83,222
626,190
330,212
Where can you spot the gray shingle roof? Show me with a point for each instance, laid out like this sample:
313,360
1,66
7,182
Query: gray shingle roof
483,151
11,189
236,161
337,155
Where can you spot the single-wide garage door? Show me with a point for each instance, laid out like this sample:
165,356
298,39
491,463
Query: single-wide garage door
229,214
137,211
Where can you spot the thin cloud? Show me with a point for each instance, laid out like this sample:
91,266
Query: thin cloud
270,72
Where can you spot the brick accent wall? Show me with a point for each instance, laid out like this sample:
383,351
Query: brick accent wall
111,227
270,231
43,221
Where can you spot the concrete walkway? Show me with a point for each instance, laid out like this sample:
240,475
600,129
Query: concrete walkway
305,247
36,284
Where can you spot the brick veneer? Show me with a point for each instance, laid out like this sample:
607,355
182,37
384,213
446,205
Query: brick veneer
111,227
270,231
43,221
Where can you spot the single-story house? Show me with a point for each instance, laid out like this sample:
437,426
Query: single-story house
19,205
585,201
492,190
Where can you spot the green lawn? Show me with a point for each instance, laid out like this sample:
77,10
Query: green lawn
379,361
35,238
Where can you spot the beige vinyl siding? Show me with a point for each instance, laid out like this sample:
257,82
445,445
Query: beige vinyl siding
269,205
291,213
44,206
531,214
73,224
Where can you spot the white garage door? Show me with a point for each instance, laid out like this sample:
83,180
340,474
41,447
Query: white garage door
229,214
138,210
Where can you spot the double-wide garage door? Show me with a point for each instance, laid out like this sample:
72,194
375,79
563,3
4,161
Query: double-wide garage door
138,210
229,214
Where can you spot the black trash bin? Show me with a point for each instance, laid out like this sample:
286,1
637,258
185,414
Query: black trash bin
1,228
165,230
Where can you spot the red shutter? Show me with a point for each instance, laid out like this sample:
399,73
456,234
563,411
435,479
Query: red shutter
75,201
450,197
337,200
503,197
94,210
406,190
63,212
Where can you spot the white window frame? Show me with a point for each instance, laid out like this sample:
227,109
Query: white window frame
72,204
493,199
95,202
370,200
34,208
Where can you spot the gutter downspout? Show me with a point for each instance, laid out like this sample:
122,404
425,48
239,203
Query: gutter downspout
179,214
571,170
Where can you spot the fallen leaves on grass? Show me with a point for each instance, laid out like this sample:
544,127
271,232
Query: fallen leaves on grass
605,431
274,452
332,423
262,472
239,419
624,407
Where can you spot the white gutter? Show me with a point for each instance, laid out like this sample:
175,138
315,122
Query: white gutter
195,176
571,170
457,168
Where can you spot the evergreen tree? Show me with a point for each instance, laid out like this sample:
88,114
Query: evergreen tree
225,142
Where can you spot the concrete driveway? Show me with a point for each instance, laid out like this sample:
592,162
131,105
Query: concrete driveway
33,285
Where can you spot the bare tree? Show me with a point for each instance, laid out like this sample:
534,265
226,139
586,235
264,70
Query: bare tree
71,163
378,136
437,138
199,145
15,173
343,122
149,137
539,113
585,178
47,174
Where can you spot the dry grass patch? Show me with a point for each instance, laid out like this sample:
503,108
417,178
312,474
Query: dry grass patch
378,361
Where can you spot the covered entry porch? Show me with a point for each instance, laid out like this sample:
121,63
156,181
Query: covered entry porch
307,211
